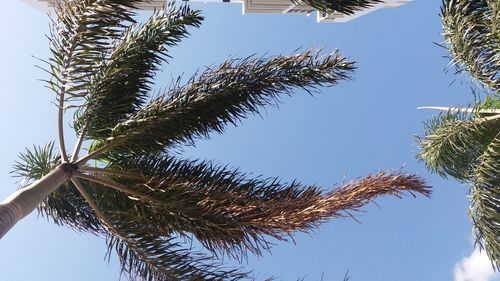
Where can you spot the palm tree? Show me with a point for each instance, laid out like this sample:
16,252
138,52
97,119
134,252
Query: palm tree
130,187
464,143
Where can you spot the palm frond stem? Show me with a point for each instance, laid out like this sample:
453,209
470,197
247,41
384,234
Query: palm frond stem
461,109
60,125
110,183
64,83
100,215
72,40
490,118
79,142
111,172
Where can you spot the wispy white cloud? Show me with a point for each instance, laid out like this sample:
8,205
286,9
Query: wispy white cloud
475,267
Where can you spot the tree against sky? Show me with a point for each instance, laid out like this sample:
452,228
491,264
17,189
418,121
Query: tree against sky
464,143
131,186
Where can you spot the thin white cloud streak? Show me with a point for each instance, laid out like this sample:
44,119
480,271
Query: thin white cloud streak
475,267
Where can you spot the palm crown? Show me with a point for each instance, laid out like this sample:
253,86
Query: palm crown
465,142
135,192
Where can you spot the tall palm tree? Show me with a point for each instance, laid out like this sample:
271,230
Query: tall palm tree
129,187
464,143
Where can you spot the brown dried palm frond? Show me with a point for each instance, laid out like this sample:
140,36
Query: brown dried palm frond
227,211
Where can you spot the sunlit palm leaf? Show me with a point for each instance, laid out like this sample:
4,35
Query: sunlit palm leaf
472,35
485,201
454,142
466,146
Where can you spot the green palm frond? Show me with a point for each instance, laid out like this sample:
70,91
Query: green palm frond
454,142
487,169
122,83
466,146
472,35
36,163
485,201
80,37
225,95
340,6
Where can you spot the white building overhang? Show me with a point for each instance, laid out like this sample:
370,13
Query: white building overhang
261,7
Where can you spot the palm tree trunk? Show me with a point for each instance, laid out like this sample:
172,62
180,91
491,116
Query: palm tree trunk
25,200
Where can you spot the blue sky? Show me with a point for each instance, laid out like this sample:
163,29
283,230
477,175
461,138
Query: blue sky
348,131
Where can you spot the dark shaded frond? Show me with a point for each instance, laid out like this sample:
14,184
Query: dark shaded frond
145,256
472,35
203,199
67,207
79,38
225,95
347,7
227,212
123,79
454,142
485,201
144,252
